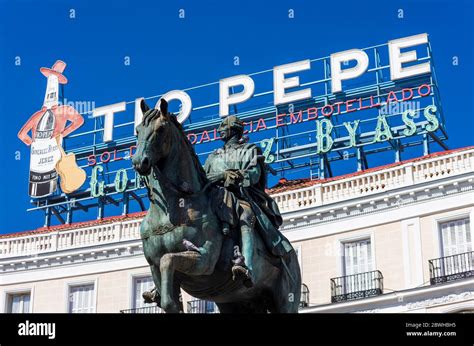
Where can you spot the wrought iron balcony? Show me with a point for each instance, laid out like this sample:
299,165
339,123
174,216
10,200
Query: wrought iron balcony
152,309
304,300
356,286
198,306
451,268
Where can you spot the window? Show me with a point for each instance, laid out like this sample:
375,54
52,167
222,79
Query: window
210,307
81,299
456,246
140,285
357,259
456,237
19,303
198,306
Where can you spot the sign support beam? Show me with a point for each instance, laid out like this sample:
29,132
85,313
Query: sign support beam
437,140
47,219
138,199
58,215
125,204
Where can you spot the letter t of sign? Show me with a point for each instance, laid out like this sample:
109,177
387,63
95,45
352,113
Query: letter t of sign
108,113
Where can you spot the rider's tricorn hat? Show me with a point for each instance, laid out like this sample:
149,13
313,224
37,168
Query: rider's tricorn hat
57,70
232,122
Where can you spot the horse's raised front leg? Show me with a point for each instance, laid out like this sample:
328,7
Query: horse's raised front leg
187,262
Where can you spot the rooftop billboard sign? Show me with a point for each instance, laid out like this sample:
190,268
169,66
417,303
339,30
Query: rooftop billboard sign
306,115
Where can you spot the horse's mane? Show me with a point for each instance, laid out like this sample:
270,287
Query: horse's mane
150,116
195,160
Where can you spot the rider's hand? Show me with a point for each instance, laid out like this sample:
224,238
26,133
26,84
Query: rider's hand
234,175
232,178
215,177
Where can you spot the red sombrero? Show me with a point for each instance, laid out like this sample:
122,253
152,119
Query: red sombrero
56,70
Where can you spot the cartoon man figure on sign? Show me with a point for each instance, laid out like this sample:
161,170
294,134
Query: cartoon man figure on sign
48,126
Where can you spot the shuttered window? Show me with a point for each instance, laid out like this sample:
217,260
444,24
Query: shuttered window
81,299
19,303
456,237
141,285
456,240
357,259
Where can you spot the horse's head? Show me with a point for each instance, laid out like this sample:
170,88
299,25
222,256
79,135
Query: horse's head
154,140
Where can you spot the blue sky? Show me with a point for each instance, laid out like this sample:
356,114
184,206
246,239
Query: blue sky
167,53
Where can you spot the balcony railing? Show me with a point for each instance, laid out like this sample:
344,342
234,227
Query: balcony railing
153,309
304,300
32,245
451,268
356,286
198,306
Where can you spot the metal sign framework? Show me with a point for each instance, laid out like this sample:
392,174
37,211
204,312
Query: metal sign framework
293,146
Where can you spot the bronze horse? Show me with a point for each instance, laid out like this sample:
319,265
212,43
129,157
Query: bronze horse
182,238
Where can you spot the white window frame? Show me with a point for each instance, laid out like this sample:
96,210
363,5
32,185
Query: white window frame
14,291
368,235
446,217
71,284
359,237
131,288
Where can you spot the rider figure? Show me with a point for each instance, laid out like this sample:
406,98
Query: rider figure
238,174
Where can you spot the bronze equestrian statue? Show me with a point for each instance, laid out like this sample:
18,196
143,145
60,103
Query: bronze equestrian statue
212,231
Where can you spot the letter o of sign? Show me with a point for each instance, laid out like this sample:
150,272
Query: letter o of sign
105,157
121,180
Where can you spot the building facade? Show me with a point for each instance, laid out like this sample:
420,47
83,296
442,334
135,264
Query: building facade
396,238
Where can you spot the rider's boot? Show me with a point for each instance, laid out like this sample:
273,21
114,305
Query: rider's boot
243,264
